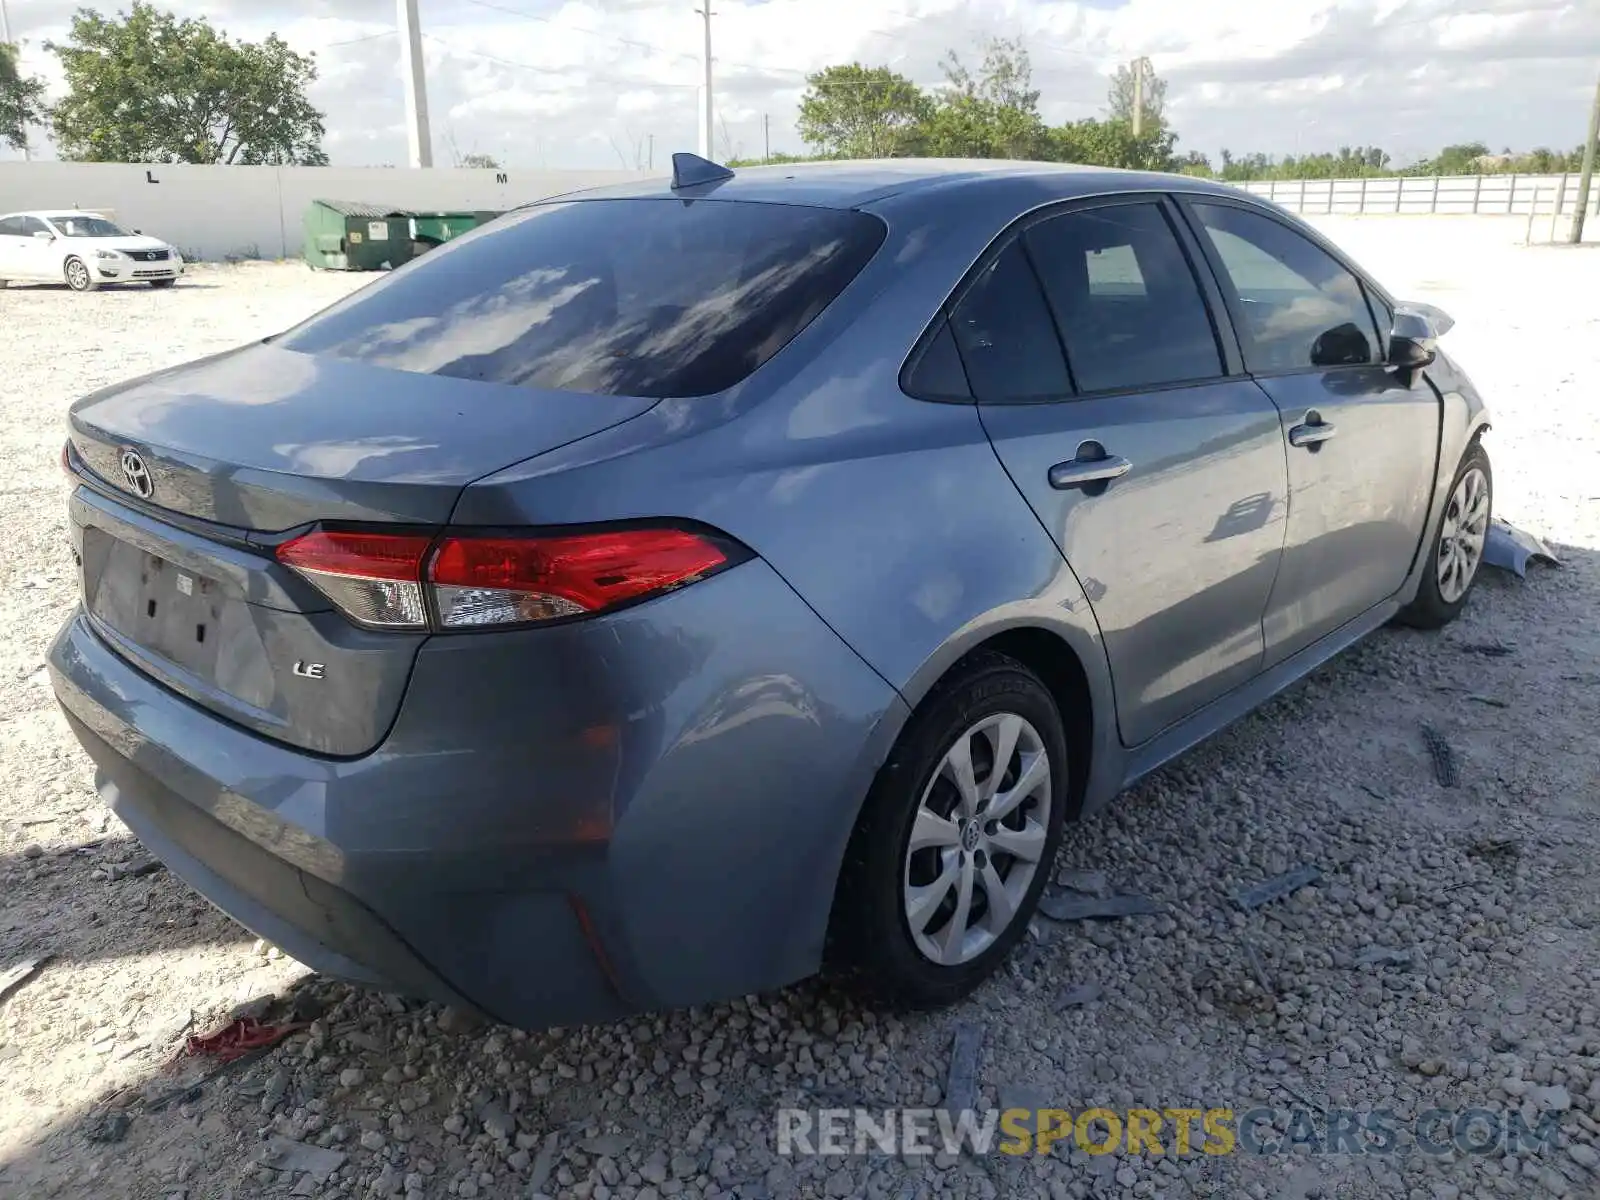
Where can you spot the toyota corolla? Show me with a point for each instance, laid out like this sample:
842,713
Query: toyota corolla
663,593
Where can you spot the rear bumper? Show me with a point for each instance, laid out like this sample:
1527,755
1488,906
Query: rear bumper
563,825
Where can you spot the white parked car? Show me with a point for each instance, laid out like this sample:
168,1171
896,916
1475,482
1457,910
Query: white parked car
84,249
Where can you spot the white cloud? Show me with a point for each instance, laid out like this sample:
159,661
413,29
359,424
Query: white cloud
568,82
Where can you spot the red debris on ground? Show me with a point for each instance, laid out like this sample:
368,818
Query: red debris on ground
239,1038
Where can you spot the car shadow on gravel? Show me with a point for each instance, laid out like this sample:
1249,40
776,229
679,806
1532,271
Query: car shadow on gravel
104,898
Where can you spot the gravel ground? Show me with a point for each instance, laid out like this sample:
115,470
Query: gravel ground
1447,956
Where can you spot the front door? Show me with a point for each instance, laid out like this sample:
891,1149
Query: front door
35,257
1103,384
1362,440
10,244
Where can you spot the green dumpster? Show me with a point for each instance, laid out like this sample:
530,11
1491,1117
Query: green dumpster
344,235
429,229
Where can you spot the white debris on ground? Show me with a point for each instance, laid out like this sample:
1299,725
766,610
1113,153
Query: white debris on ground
1446,956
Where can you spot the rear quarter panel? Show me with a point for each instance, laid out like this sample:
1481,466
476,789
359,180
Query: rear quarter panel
890,516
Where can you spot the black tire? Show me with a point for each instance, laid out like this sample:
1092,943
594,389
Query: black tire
78,276
162,283
871,948
1431,609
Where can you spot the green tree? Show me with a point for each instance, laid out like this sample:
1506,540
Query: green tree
1112,144
1456,160
993,114
1119,98
853,111
481,162
21,100
146,87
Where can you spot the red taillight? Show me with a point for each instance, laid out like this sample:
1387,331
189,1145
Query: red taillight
369,555
66,457
493,581
477,581
375,578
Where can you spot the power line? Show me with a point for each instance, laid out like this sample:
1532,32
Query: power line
366,37
647,47
525,66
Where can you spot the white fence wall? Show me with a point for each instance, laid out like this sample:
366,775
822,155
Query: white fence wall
1445,195
258,212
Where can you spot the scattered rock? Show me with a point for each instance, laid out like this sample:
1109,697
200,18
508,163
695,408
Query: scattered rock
1083,993
107,1125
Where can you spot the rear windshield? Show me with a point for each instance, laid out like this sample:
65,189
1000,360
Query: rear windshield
613,297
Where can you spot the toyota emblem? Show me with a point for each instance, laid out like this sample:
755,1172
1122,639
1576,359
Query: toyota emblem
137,474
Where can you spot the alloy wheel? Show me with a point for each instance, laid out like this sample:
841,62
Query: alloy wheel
977,839
1461,540
77,276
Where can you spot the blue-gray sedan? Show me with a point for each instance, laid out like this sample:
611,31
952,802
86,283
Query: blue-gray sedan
665,592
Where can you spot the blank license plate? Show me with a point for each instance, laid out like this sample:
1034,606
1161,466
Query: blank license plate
160,607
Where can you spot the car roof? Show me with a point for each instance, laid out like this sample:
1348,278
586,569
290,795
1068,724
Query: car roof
54,214
854,183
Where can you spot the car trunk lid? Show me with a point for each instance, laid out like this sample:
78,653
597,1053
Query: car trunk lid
198,473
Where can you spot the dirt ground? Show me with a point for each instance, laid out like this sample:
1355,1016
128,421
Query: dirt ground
1449,955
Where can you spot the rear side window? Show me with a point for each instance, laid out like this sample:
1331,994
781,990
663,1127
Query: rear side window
10,226
937,373
1004,333
1301,308
1125,298
638,297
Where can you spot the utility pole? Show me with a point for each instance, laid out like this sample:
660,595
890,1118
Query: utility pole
414,74
1139,66
766,137
706,110
652,159
1587,177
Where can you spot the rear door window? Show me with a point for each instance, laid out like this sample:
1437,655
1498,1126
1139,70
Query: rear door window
1126,300
1004,333
1300,307
636,297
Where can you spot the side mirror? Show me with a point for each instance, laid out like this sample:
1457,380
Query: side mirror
1413,342
44,235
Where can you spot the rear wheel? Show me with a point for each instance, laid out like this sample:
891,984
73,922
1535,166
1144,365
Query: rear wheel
955,841
1457,551
79,277
162,283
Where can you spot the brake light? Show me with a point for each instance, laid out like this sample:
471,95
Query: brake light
66,456
478,581
374,578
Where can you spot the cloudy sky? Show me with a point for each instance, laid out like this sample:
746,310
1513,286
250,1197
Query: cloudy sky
589,83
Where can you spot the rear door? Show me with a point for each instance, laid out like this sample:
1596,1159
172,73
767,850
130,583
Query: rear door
1114,402
1362,440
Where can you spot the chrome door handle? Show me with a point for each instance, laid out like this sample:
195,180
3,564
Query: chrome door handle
1092,465
1312,432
